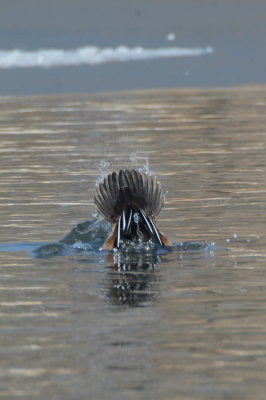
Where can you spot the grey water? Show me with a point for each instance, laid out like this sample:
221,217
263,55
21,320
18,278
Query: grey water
183,324
235,29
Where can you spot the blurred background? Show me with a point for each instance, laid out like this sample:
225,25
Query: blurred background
224,42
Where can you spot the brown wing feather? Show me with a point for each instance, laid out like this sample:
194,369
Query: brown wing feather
133,189
157,199
145,189
101,206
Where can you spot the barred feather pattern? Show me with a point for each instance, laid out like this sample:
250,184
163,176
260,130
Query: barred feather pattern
129,189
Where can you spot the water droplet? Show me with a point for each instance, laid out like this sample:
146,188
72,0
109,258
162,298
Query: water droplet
171,36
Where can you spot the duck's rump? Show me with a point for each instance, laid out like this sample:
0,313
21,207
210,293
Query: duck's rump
136,225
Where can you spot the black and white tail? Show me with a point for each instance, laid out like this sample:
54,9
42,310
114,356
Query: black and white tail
131,201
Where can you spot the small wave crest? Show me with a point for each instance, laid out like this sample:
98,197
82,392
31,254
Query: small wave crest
84,237
91,55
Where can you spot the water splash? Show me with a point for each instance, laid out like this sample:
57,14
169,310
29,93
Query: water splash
135,160
104,169
84,237
146,168
105,166
134,157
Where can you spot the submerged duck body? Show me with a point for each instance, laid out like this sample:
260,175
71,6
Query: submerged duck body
131,201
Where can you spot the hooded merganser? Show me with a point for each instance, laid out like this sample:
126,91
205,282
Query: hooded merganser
130,201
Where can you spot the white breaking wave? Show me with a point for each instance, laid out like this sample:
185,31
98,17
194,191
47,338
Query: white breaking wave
91,55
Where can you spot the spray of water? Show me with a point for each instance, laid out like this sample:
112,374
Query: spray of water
104,169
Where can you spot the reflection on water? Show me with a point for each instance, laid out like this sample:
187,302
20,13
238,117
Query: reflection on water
187,323
133,279
134,276
133,266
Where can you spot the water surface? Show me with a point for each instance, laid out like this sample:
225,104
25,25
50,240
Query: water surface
180,325
236,30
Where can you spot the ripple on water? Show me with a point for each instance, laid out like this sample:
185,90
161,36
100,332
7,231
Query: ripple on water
184,322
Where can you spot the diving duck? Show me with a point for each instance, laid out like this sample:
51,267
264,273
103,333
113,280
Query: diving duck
131,200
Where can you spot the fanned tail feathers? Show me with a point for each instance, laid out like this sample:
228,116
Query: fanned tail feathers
131,200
